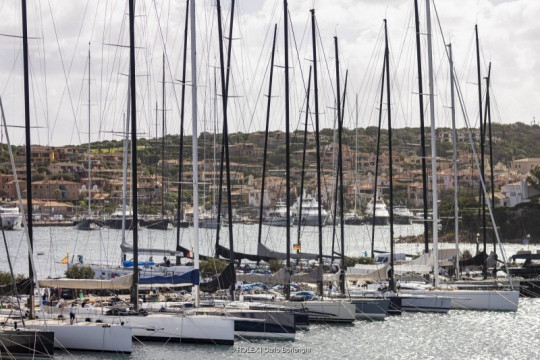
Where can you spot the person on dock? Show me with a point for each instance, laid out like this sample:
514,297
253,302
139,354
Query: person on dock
71,314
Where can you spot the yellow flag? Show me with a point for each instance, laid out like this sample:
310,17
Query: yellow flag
65,260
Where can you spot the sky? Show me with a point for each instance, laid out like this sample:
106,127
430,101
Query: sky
64,32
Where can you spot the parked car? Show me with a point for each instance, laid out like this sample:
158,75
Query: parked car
306,295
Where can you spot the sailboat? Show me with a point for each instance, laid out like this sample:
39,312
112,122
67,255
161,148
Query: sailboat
88,223
161,221
495,300
400,302
25,342
177,327
318,310
79,336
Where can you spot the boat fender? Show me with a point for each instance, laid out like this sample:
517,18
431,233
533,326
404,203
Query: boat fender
99,321
88,320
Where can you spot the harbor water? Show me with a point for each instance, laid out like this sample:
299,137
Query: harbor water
456,335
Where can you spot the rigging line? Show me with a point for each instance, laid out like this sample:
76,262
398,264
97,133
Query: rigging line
296,49
45,73
370,79
325,60
110,106
71,62
258,62
475,155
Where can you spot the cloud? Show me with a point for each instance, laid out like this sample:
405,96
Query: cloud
508,38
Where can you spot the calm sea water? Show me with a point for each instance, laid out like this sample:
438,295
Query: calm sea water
456,335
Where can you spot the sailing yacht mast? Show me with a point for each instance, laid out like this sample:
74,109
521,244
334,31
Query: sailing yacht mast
28,158
390,162
422,128
340,168
134,289
181,146
287,288
317,146
356,154
224,89
299,229
373,220
259,238
89,151
454,158
163,118
195,158
488,117
433,148
482,151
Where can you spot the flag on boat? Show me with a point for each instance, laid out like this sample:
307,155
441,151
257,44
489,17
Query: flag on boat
64,260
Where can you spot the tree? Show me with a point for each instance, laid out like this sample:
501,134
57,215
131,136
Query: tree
533,178
212,266
275,265
7,279
79,272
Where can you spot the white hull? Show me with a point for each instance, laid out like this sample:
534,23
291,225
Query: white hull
412,301
87,336
179,328
161,326
266,335
426,303
11,221
325,311
491,300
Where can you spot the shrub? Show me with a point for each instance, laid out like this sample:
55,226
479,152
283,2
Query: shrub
79,272
275,265
212,266
6,279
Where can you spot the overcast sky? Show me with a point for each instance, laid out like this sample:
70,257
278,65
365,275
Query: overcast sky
61,31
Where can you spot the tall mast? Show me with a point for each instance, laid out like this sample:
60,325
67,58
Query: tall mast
340,166
163,118
28,148
134,290
259,238
317,147
181,146
299,229
422,128
482,151
433,148
356,154
492,185
390,162
195,157
89,151
373,220
454,158
224,90
225,134
124,168
287,151
25,224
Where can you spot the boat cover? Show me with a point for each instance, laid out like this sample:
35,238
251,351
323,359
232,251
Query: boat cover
120,282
